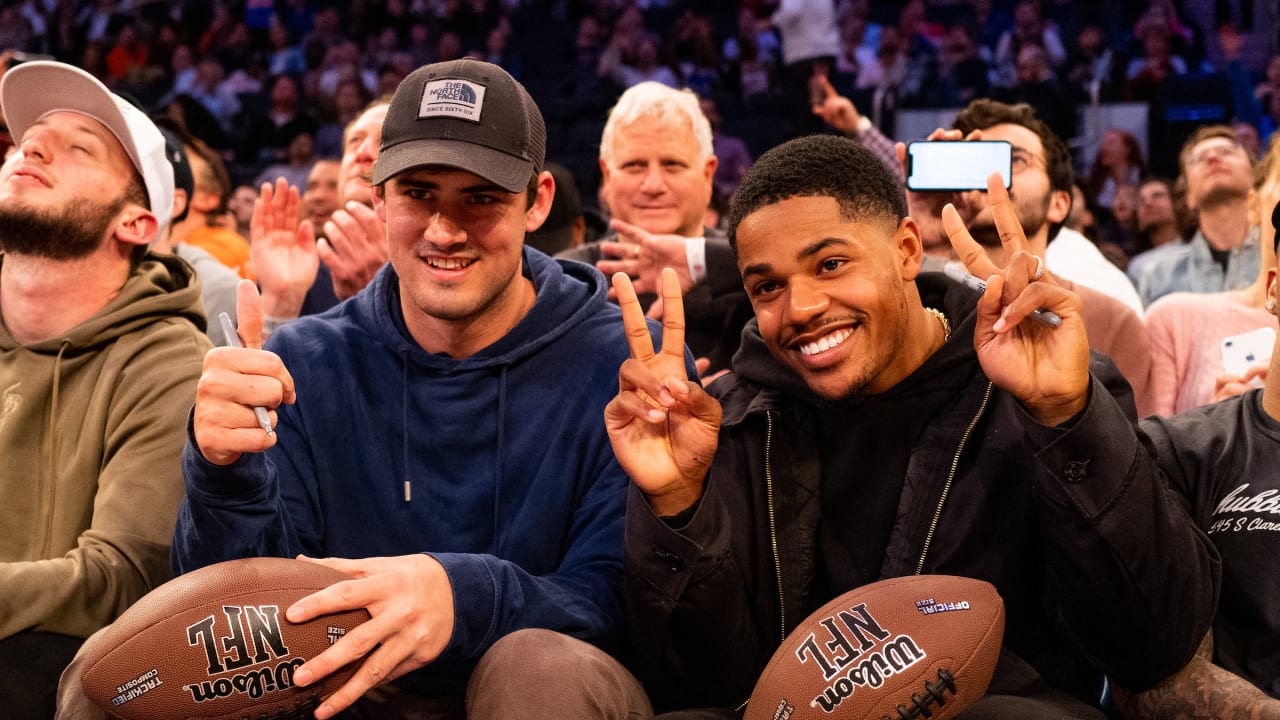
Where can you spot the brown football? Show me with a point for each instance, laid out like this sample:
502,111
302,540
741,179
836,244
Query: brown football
922,646
214,644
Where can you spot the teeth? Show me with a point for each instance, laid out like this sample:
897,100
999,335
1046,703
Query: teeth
826,343
448,263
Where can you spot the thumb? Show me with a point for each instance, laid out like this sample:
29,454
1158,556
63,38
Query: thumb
249,314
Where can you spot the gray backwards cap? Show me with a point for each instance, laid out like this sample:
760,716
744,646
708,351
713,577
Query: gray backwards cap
464,114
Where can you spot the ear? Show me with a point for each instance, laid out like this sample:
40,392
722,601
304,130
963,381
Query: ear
179,201
541,207
135,225
604,173
709,170
1059,206
1273,296
909,245
378,194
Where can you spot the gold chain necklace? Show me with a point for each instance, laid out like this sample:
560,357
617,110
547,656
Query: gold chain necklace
946,324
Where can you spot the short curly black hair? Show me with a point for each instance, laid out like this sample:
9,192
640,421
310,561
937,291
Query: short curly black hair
820,166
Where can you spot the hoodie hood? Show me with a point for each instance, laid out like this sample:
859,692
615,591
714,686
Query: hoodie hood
160,288
567,294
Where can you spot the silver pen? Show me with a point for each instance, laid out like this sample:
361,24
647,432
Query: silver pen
233,339
956,271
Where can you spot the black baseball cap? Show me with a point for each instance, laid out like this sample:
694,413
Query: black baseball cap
465,114
1275,222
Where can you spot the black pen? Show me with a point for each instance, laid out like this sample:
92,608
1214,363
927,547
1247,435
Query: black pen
233,339
956,271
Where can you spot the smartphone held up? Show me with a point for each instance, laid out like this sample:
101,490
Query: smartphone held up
941,165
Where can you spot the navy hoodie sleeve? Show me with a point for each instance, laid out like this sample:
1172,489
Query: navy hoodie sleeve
237,510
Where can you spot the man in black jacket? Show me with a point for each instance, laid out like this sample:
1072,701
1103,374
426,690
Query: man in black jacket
879,423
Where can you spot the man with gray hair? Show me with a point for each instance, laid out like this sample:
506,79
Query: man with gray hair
657,164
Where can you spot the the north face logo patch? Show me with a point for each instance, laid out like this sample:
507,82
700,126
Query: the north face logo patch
461,99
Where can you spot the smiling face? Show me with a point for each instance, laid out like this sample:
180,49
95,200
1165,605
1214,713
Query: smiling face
654,176
455,240
834,297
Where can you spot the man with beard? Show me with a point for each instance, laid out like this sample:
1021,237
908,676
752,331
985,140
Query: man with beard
1040,195
100,349
1223,253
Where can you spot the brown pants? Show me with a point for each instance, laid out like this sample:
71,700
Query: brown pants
530,674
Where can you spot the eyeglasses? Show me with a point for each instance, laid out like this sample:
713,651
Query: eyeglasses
1216,150
1021,160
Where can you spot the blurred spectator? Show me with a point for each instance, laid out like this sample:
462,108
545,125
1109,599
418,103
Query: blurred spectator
240,207
286,56
1147,73
1223,253
753,52
1156,223
296,167
1120,228
1187,329
1247,136
265,135
127,55
349,99
1091,66
320,195
810,37
1270,84
1119,161
343,61
209,91
962,74
642,67
732,152
1038,87
1029,29
217,281
695,54
920,39
1161,18
1080,217
206,208
565,226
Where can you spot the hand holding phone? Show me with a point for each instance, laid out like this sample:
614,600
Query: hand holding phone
1247,350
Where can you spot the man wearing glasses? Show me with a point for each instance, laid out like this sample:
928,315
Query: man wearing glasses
1223,254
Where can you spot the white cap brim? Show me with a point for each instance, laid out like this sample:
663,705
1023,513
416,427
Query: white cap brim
31,90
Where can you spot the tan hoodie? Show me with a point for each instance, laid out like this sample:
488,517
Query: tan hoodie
92,426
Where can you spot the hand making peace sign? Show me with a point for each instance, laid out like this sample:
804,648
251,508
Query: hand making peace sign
1047,368
663,427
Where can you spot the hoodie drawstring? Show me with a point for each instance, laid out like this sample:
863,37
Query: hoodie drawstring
404,424
497,461
51,449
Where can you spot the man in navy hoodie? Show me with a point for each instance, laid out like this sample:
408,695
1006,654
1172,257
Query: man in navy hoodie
443,427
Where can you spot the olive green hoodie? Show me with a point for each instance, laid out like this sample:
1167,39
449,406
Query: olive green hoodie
92,425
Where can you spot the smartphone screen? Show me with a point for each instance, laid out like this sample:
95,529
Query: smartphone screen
957,165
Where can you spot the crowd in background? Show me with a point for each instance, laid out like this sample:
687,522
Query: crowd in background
271,84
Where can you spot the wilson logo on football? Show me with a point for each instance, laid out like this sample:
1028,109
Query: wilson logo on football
254,638
855,652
